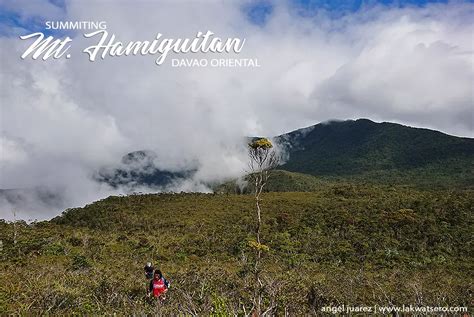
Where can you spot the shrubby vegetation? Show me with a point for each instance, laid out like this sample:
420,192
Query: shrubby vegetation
342,244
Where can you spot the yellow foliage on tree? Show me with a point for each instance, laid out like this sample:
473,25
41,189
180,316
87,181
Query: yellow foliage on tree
262,143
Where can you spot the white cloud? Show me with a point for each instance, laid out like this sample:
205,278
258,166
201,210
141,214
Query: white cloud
63,120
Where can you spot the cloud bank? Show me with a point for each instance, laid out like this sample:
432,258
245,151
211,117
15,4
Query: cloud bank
62,120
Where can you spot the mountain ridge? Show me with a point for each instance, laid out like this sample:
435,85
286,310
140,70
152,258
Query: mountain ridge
354,150
358,147
335,121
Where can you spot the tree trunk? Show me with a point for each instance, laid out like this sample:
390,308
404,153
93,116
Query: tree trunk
259,184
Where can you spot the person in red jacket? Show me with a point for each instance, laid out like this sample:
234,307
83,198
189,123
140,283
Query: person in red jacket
158,285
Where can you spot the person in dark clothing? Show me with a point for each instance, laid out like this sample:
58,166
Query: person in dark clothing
158,285
149,271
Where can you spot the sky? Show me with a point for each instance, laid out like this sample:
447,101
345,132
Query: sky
62,120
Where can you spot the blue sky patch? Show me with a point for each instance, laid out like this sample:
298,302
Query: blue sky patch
258,12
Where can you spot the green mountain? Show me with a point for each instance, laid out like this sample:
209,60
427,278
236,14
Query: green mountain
349,151
380,152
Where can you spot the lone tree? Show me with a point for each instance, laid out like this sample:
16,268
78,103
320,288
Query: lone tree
263,158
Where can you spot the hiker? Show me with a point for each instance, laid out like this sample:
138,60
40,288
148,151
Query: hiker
158,285
149,271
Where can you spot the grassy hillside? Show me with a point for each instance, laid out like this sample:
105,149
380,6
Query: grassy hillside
427,178
343,244
381,153
280,181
